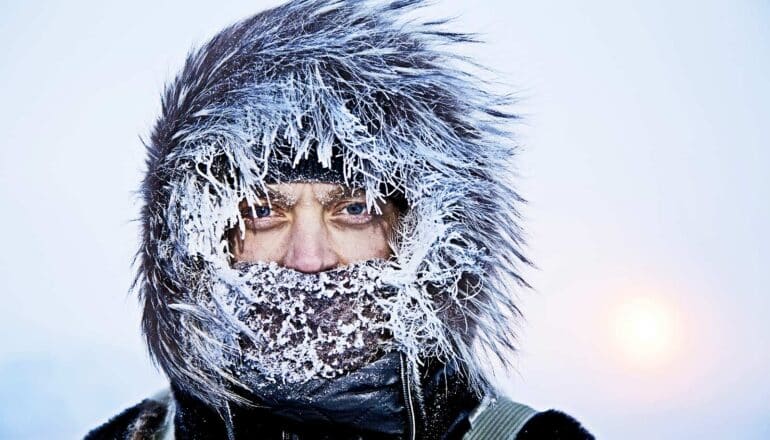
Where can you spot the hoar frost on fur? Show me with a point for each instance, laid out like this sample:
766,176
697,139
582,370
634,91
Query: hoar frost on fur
299,82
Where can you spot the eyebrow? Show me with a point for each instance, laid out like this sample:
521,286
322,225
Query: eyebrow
328,198
280,198
340,193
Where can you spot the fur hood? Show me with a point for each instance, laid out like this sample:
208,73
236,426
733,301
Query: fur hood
355,81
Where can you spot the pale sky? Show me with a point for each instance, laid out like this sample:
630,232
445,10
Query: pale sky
645,161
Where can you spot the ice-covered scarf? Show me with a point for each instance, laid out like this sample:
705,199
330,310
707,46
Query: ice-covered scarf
278,325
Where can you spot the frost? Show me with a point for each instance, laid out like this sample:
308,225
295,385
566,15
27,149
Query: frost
274,324
384,96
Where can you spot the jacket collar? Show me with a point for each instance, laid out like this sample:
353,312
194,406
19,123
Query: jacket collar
378,401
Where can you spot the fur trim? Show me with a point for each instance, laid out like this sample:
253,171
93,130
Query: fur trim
149,419
308,80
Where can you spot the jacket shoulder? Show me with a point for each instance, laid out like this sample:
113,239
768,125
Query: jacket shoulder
553,424
500,417
145,420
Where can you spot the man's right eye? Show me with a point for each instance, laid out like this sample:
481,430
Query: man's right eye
258,212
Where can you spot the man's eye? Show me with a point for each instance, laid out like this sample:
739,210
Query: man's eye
259,212
355,209
262,211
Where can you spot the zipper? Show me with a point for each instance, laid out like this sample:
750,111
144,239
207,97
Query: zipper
409,404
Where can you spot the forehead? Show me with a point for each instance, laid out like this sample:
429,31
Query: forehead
323,193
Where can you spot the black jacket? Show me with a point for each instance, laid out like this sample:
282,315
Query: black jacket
378,402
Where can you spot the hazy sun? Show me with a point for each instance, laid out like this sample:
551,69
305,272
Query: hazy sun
644,331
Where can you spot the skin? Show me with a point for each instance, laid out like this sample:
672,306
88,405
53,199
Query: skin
313,227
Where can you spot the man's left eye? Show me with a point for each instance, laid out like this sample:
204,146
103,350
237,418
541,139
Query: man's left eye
355,209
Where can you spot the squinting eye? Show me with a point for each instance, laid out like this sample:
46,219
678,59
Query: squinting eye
259,212
262,211
355,208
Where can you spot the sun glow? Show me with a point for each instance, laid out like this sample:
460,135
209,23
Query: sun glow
645,331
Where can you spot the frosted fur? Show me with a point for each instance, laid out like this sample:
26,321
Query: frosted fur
307,80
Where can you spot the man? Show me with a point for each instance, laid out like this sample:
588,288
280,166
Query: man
330,237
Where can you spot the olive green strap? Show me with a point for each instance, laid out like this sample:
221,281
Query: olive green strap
499,419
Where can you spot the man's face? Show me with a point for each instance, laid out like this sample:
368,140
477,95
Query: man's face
313,227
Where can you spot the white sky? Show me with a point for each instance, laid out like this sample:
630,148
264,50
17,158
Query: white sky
646,162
